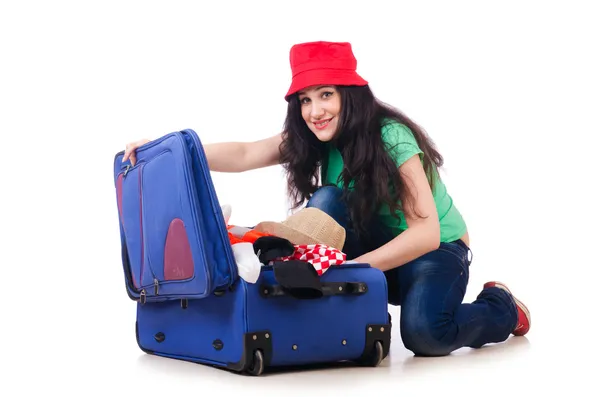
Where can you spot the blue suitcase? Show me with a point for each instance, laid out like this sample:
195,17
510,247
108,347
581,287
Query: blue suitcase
191,303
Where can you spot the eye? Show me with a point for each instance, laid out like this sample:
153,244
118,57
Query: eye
304,100
327,94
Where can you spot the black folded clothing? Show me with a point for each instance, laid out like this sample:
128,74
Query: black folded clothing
298,278
269,248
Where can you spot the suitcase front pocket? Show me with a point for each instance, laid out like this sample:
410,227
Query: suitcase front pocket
155,233
168,249
161,238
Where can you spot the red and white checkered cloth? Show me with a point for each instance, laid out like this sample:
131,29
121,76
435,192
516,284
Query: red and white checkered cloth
320,256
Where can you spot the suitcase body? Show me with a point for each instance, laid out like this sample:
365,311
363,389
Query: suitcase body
191,303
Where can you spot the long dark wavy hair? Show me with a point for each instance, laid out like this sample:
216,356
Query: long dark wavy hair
367,164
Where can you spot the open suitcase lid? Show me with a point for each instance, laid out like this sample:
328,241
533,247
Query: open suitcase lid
173,236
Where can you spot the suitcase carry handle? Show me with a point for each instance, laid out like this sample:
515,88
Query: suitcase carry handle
300,280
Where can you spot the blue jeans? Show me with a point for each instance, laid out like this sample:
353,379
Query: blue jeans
430,289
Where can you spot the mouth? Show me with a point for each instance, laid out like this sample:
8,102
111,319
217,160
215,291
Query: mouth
322,124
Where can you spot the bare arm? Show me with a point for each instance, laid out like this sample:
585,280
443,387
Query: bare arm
243,156
230,156
422,235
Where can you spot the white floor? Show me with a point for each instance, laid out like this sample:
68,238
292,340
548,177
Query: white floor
63,353
550,358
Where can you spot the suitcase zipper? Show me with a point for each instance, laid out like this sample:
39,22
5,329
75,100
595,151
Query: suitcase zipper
129,276
143,266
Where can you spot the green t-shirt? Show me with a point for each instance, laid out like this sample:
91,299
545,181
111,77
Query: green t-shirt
402,145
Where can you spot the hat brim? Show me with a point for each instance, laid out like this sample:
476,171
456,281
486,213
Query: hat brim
314,77
292,235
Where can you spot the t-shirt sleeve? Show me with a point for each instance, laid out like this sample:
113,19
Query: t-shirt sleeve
400,142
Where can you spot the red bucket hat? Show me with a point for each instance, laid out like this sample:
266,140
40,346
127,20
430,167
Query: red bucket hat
322,62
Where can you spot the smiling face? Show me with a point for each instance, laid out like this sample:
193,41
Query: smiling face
321,107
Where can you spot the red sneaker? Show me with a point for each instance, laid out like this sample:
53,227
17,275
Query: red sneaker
524,321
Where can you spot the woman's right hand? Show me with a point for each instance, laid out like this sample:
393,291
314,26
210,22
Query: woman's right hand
130,150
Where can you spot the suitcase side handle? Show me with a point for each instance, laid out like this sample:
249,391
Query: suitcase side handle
300,280
324,289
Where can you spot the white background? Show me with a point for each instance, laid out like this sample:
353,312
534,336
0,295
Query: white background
509,92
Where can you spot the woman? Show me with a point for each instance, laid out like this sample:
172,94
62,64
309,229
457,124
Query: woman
376,172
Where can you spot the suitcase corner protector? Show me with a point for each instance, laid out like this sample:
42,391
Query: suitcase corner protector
376,333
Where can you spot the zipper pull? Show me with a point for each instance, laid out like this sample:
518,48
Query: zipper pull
143,296
127,168
155,287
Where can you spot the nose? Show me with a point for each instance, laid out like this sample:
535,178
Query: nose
316,111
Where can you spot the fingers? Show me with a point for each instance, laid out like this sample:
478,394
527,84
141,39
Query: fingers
132,158
129,153
130,149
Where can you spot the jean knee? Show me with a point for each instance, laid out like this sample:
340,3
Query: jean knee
328,199
423,338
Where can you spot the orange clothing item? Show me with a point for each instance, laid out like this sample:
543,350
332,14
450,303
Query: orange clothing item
248,237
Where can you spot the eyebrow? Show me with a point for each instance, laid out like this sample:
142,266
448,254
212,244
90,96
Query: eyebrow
320,87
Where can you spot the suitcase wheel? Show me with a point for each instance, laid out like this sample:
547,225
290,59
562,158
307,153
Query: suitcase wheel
376,356
257,366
